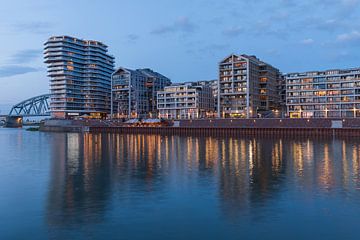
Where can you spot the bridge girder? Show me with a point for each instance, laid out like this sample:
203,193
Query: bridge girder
35,106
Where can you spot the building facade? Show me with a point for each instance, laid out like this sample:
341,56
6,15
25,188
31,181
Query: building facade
282,94
331,93
134,92
213,84
80,73
247,87
186,101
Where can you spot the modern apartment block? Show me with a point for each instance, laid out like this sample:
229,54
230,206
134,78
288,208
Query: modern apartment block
135,92
80,73
213,84
186,101
282,94
331,93
247,87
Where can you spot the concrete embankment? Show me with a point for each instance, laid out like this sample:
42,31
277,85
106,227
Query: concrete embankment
62,126
225,127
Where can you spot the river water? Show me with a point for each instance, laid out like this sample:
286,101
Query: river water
111,186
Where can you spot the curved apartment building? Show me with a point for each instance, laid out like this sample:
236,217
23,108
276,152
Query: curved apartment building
80,77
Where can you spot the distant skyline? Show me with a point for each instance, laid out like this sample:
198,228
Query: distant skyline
184,40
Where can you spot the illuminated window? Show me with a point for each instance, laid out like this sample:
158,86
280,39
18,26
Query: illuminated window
322,93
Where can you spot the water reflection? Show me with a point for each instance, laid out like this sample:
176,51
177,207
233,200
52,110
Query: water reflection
80,179
93,174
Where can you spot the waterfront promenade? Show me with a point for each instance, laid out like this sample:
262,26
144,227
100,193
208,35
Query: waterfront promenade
307,127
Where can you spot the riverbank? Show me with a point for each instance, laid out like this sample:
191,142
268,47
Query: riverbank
296,127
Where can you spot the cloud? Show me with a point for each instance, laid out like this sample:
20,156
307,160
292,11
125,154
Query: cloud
132,37
182,25
211,49
353,36
273,52
350,3
267,28
344,56
307,41
289,3
233,31
13,70
217,21
25,56
344,8
34,27
217,47
338,3
330,25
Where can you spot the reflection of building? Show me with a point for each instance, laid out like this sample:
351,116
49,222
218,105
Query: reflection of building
85,167
80,179
95,175
186,101
80,72
251,172
331,93
134,92
247,87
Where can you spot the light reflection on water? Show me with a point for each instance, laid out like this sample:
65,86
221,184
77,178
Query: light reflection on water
111,186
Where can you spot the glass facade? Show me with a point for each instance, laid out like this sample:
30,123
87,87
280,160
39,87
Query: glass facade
134,92
80,73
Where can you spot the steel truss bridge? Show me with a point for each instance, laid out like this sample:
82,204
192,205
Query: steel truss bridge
33,107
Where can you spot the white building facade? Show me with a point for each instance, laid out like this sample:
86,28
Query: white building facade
330,93
186,101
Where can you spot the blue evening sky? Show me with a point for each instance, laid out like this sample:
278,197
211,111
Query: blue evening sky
182,39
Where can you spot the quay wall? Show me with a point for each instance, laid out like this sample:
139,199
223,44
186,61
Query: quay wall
220,127
304,132
273,123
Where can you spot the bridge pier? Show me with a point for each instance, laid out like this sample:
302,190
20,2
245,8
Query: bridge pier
14,121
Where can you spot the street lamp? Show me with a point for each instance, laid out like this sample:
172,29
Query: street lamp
326,112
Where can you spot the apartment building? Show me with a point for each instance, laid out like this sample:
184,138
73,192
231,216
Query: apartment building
247,87
186,101
134,92
331,93
281,89
80,73
213,84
